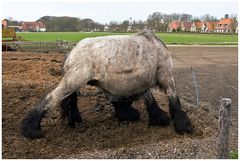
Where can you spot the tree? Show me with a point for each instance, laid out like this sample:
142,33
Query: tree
186,17
113,26
138,25
196,19
175,17
154,21
208,17
123,27
234,22
226,16
60,24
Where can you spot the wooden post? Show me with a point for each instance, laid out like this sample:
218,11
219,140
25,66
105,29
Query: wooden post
223,128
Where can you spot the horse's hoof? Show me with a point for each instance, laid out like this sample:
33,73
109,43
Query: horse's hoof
128,114
160,119
73,117
182,123
73,120
32,134
30,125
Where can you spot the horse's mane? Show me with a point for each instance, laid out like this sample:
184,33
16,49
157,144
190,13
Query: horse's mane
149,35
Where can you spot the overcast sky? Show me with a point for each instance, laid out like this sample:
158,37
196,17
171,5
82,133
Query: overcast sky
105,11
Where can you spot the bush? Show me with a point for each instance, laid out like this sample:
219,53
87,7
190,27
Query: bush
233,154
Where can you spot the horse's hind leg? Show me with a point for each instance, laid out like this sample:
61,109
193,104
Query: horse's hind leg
69,109
30,125
124,110
156,115
182,123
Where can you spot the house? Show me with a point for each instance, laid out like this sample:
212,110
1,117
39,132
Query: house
106,28
179,26
173,26
197,27
186,26
16,28
210,26
225,25
33,26
4,23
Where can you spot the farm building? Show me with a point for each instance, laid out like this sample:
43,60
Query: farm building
33,26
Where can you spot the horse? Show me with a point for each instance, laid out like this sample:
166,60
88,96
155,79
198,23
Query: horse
124,67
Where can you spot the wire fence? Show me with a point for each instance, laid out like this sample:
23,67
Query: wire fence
38,47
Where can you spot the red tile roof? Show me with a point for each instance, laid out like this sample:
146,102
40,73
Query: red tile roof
32,25
187,25
174,25
198,25
224,23
211,25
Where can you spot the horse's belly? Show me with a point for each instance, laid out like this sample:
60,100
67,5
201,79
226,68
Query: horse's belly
127,84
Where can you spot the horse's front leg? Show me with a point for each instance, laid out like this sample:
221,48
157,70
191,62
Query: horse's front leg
124,110
156,115
182,123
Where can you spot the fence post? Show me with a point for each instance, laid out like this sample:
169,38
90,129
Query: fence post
223,128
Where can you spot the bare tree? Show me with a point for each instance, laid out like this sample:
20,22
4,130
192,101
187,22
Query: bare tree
208,17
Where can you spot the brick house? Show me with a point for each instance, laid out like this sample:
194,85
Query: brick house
179,26
174,26
4,23
186,26
209,26
197,27
33,26
225,25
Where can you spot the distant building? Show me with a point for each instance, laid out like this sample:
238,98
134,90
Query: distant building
4,23
106,28
173,26
33,26
129,29
210,26
186,26
225,25
16,28
197,27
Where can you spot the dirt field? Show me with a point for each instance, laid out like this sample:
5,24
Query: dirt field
27,77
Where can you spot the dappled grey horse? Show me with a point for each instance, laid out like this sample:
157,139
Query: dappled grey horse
124,68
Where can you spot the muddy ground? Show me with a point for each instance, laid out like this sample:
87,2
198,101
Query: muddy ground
29,76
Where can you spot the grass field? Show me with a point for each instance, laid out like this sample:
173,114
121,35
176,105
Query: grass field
169,38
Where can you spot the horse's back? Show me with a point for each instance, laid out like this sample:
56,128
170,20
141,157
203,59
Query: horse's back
118,62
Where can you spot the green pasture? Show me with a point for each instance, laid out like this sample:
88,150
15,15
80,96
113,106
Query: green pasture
168,38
